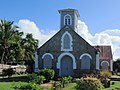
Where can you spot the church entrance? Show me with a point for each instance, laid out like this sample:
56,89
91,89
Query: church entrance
66,66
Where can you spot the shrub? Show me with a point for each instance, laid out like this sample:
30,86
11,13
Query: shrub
8,72
88,84
48,74
32,76
105,74
37,79
66,80
26,86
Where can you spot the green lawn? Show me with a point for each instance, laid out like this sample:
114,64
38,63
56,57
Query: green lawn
112,87
71,86
7,83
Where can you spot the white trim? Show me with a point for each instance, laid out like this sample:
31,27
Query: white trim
60,20
70,19
47,54
111,65
74,22
59,61
62,43
106,62
98,61
86,55
36,69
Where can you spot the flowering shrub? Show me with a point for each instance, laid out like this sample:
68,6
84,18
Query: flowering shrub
105,74
88,84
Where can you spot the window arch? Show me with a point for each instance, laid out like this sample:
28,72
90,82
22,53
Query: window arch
66,42
47,60
67,19
85,61
105,65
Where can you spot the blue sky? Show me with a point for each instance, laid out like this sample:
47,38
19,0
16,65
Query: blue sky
97,14
100,19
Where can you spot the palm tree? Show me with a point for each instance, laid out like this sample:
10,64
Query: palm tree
6,38
15,48
29,47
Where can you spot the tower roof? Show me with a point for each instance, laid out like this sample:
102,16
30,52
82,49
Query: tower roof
69,9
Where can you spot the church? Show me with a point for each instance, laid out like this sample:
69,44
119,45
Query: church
69,54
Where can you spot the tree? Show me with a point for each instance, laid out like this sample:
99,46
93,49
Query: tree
15,48
6,38
29,47
116,65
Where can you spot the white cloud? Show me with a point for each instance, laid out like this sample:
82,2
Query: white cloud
28,26
106,37
83,31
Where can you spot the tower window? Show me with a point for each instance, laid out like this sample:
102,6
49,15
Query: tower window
67,20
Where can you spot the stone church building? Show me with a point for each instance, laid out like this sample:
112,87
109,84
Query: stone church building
69,54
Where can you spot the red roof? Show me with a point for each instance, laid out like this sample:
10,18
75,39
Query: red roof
105,52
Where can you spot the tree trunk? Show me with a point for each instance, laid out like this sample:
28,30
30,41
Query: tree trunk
3,57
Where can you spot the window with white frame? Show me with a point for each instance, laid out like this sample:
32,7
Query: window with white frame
47,60
67,20
66,42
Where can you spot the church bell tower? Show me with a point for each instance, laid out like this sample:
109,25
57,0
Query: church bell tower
69,17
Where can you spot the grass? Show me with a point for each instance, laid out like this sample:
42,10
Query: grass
71,86
7,83
114,86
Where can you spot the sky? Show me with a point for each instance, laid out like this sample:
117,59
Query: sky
99,21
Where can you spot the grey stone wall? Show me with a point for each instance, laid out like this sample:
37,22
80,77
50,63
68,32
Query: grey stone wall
80,46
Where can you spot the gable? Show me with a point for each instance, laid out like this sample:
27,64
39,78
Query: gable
54,43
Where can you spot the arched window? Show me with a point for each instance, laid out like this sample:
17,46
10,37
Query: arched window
105,65
85,61
47,60
66,42
67,20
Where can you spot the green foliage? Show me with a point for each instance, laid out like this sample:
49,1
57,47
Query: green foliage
105,74
36,78
116,65
8,72
48,74
67,80
88,84
51,88
26,86
15,48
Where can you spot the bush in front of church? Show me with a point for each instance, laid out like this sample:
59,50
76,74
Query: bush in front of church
48,74
88,83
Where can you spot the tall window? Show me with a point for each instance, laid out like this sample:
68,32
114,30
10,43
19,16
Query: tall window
85,62
66,42
47,60
67,20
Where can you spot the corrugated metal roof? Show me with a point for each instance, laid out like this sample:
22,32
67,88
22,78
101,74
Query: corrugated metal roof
105,52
